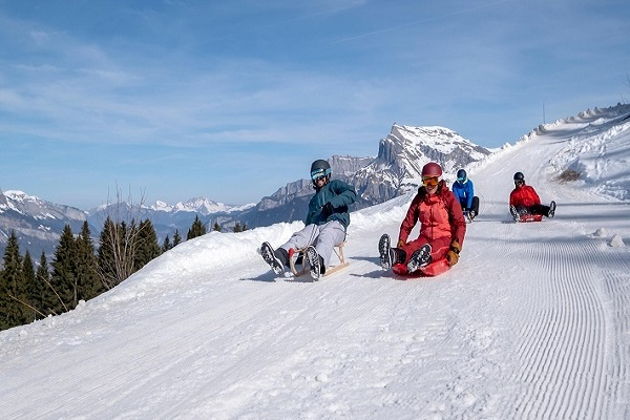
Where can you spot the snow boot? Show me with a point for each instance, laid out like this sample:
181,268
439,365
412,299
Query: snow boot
420,258
388,255
552,209
384,248
274,258
315,263
514,213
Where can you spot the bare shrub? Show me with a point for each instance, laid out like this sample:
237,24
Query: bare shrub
569,175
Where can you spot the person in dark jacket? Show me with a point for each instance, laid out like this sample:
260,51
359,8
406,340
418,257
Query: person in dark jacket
442,227
326,223
464,191
525,200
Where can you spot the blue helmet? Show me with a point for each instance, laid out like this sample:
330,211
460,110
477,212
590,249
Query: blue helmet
461,176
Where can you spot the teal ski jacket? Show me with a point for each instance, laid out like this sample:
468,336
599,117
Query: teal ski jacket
340,195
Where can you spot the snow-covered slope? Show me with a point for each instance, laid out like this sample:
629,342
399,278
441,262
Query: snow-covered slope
534,322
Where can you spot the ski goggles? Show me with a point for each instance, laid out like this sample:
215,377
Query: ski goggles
519,182
430,181
318,174
462,180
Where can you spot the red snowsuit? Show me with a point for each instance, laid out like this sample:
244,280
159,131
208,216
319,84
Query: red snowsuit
441,218
524,196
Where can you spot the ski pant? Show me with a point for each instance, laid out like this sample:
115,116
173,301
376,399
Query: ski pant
324,237
475,205
439,247
535,209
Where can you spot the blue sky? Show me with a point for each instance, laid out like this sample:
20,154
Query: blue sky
232,99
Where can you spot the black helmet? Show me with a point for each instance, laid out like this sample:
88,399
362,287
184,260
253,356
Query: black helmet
519,178
462,176
320,168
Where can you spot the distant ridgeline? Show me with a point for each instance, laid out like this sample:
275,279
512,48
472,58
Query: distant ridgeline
38,224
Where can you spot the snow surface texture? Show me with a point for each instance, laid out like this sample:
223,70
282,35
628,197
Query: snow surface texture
534,322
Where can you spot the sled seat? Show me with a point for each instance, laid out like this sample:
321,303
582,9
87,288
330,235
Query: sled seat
299,267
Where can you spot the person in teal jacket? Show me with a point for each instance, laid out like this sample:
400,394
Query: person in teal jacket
326,223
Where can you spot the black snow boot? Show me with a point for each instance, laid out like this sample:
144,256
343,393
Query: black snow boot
384,248
420,258
515,215
277,259
552,209
315,263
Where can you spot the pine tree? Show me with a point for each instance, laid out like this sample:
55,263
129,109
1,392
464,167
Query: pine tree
31,288
166,245
86,270
45,302
106,254
244,227
197,229
216,227
177,239
64,279
12,312
146,244
237,227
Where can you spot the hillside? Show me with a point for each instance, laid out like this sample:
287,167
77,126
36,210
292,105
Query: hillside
534,322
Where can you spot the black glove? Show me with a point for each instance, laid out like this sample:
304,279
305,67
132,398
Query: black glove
327,210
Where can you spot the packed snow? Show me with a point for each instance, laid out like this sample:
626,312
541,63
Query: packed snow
534,322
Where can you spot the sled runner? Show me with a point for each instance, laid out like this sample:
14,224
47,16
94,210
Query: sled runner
469,215
299,266
524,218
432,269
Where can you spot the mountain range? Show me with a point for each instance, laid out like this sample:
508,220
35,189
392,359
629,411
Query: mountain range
395,170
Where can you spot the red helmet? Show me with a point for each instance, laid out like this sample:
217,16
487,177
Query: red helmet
432,169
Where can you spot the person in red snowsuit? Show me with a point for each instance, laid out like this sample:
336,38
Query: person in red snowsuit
525,200
442,226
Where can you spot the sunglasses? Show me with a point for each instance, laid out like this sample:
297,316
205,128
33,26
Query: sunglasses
430,181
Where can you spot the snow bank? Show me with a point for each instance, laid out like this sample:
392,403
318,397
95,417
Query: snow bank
597,154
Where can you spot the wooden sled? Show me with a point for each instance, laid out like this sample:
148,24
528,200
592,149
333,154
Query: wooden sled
299,267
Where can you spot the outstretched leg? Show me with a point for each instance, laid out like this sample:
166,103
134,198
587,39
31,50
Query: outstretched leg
302,238
475,207
541,209
331,234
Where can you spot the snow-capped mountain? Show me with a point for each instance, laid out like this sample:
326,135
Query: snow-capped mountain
37,223
401,155
396,170
199,205
167,218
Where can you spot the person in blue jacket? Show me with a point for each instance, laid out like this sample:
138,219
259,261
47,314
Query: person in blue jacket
326,223
464,191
